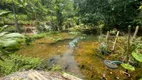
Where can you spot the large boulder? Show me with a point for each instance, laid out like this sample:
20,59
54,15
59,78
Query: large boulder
39,75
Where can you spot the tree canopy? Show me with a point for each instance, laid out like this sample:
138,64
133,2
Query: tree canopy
111,13
118,13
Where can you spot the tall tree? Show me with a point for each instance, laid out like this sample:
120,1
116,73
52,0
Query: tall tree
110,12
61,10
13,5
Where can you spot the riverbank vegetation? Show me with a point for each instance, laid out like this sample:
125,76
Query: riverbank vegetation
34,34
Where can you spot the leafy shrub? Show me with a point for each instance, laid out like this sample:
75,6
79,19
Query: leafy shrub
9,29
37,36
103,48
3,12
29,39
19,17
15,62
136,56
9,40
22,17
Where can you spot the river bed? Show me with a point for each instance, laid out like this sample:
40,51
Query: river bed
78,58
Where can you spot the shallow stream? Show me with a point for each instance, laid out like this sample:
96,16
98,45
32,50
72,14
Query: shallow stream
77,57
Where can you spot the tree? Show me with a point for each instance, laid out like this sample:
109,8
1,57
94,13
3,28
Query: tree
124,12
13,4
60,10
110,12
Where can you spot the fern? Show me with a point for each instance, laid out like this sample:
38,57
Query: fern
15,62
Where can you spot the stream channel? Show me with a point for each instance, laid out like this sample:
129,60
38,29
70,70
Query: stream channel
66,60
59,54
77,57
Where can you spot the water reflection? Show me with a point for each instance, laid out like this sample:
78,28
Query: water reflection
67,61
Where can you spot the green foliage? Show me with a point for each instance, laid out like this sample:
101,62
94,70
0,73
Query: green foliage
10,39
53,32
29,39
56,39
113,13
136,49
62,10
22,17
60,13
82,37
56,68
113,32
128,66
2,13
38,36
74,33
137,56
15,62
139,46
8,29
103,48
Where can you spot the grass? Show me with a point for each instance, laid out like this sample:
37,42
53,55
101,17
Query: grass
14,62
92,66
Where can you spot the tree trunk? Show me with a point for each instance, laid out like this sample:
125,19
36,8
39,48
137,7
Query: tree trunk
136,31
114,44
128,45
15,19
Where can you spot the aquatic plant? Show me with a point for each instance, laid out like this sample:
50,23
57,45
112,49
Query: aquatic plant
56,68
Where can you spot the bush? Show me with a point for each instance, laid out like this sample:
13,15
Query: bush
38,36
103,48
19,17
15,62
